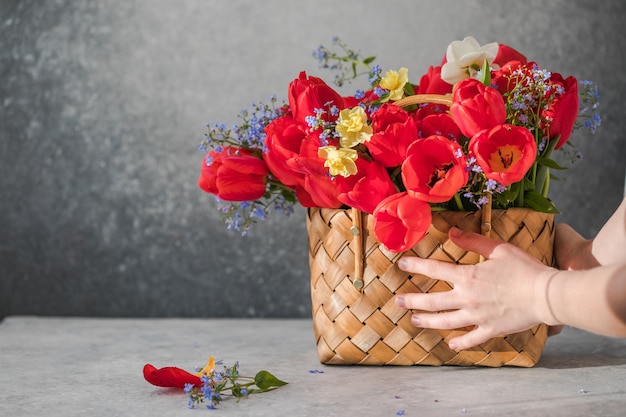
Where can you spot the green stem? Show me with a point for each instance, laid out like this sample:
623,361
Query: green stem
546,186
459,203
533,175
519,200
541,181
279,185
355,61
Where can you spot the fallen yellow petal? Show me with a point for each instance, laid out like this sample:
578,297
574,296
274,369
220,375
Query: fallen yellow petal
210,367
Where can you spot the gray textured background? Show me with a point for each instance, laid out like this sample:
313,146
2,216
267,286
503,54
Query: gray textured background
104,103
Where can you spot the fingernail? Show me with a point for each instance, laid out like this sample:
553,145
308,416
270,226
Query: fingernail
455,231
415,321
400,300
453,346
402,263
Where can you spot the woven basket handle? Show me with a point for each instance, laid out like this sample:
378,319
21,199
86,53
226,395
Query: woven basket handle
444,99
357,219
359,256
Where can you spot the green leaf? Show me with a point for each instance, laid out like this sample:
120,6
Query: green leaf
510,194
550,163
265,380
409,89
528,184
369,59
537,202
485,74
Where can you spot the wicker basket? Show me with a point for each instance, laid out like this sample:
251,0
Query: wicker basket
354,280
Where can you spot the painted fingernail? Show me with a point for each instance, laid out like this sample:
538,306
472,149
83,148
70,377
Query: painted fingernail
402,263
415,321
400,300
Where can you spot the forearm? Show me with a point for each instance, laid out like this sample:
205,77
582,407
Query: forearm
609,246
592,300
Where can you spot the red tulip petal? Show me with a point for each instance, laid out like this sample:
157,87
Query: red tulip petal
169,376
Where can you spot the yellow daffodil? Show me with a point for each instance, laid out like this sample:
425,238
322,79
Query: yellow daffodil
394,81
339,161
353,128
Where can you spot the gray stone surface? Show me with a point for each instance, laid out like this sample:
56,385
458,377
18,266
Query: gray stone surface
104,103
56,367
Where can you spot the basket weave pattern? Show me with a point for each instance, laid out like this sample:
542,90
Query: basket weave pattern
364,326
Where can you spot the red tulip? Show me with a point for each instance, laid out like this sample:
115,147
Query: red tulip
434,169
564,109
558,97
401,221
241,178
282,142
505,153
431,83
476,106
440,124
208,171
307,94
503,78
234,175
394,132
322,191
373,186
291,155
316,187
387,115
507,54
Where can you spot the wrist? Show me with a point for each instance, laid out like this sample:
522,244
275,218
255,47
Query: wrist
544,296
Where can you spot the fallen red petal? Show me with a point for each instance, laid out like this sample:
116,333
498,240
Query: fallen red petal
169,376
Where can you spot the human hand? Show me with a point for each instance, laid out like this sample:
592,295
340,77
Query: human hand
571,250
502,295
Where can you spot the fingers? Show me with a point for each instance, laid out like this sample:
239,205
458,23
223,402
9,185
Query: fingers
448,320
444,321
447,310
554,330
447,271
468,241
435,269
473,242
471,339
434,301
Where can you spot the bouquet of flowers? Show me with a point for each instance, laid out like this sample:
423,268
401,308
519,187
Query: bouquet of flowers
479,129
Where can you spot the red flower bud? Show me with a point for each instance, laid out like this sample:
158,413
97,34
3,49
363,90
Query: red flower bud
564,109
234,175
476,107
401,221
307,93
